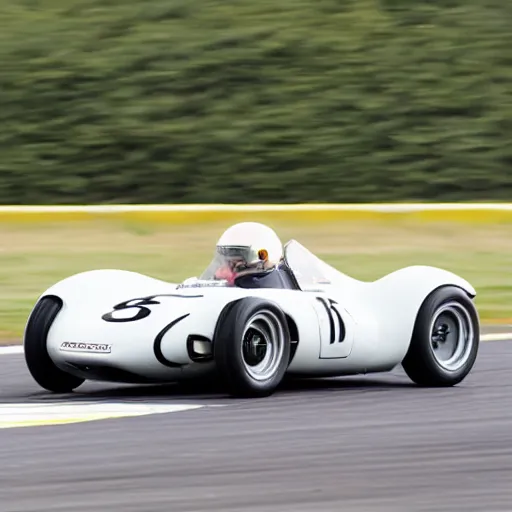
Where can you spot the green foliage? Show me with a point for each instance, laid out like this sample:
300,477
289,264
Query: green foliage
255,101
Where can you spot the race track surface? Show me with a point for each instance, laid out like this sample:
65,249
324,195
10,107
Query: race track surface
356,444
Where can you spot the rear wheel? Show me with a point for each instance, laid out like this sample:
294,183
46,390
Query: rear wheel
251,347
445,339
39,363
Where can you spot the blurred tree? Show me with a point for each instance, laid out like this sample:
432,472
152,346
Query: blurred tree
243,101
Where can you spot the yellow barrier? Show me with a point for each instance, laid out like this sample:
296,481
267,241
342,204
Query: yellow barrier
193,214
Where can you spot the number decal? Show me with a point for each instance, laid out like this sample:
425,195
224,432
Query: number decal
141,310
334,318
139,306
157,345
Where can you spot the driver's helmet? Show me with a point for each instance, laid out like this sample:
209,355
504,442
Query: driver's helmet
244,248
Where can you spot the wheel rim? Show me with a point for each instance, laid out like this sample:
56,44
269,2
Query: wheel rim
452,335
262,346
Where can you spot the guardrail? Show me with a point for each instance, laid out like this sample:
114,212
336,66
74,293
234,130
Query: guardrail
190,213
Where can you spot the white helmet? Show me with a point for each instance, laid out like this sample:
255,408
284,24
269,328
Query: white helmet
242,248
257,242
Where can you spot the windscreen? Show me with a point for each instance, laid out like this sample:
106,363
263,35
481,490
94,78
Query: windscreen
228,263
309,270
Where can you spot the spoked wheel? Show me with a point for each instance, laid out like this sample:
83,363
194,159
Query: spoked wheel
251,347
445,340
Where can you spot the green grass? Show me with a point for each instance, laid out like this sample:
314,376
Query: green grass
36,255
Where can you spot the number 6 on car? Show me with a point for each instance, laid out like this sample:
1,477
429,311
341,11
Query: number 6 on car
258,312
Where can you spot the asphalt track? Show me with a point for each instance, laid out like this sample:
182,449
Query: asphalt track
356,444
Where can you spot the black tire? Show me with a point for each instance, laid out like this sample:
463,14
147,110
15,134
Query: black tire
39,363
421,363
228,346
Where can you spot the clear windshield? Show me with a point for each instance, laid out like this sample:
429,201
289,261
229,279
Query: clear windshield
229,263
309,270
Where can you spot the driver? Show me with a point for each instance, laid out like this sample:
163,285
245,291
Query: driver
244,249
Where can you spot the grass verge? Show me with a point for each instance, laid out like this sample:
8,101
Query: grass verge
34,255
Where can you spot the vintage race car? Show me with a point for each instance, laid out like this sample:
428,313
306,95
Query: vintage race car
315,321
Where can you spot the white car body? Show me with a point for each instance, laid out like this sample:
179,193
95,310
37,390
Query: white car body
372,321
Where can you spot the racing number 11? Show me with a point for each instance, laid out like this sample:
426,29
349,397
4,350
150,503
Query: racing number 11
334,320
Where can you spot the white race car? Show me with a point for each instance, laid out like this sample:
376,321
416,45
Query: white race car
314,321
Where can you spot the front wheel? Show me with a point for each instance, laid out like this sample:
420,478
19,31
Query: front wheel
38,361
251,347
445,339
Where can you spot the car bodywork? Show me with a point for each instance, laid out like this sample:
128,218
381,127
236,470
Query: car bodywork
117,325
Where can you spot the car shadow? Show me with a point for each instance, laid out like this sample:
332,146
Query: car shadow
213,390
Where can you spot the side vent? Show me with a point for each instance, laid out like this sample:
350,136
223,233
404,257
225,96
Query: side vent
199,348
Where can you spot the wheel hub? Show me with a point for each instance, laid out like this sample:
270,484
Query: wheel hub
254,347
440,334
262,345
451,335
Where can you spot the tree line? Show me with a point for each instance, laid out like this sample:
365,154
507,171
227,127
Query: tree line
170,101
